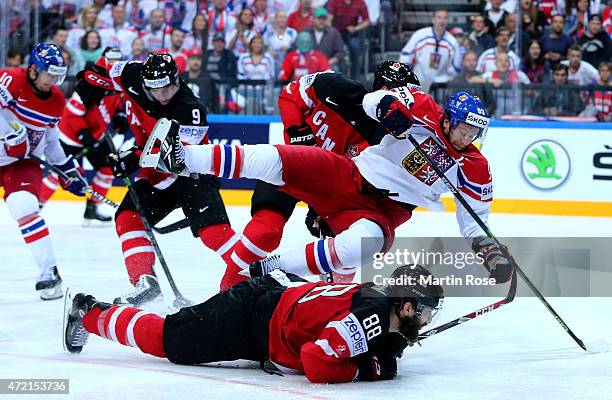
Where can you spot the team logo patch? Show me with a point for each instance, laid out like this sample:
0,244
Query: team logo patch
34,137
418,167
352,151
463,97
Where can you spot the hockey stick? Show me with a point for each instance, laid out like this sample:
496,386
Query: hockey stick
486,229
508,299
88,189
175,226
180,301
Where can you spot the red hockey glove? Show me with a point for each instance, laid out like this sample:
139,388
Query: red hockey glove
394,115
16,142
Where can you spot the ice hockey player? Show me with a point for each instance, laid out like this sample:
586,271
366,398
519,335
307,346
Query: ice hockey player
330,332
324,110
89,113
153,90
30,108
366,196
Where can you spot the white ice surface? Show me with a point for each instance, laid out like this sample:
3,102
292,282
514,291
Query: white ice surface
516,352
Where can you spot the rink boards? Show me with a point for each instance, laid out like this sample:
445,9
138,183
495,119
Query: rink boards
549,168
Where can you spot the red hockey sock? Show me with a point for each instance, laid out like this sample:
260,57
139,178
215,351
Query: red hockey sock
261,236
102,182
221,238
49,186
138,252
128,326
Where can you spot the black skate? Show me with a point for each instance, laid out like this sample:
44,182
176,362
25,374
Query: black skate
49,285
92,217
75,335
265,266
164,150
147,289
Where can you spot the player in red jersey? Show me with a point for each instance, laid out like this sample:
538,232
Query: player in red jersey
366,196
323,110
82,126
30,107
154,90
330,332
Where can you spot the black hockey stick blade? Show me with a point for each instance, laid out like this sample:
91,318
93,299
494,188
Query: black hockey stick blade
175,226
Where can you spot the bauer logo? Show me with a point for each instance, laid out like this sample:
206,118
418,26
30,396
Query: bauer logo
545,165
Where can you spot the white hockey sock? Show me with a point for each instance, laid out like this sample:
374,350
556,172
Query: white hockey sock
342,254
260,161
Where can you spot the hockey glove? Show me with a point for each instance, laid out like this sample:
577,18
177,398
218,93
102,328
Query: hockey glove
16,143
75,183
394,115
376,367
120,122
96,76
393,345
125,163
86,138
89,94
301,135
316,225
499,266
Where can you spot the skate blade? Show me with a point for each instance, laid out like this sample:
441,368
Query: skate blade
67,304
95,223
51,293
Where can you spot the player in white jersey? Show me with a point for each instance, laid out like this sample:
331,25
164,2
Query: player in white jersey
433,52
370,195
30,106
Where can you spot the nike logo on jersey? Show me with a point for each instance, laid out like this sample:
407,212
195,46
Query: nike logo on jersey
426,118
328,99
24,184
20,100
203,209
131,90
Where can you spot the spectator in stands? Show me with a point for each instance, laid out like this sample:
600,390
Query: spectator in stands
14,58
120,34
554,42
198,36
261,17
559,100
88,21
463,42
327,39
220,20
90,48
73,68
279,39
513,42
139,52
238,40
219,62
534,19
480,34
137,12
104,10
576,21
302,18
194,71
350,17
595,43
156,35
506,99
288,6
60,37
487,60
495,16
605,70
177,39
256,64
303,60
433,52
580,72
469,73
602,102
534,65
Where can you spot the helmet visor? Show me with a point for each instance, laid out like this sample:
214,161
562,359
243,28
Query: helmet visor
54,75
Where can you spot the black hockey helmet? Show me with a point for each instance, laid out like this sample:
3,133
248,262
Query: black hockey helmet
159,70
414,283
394,74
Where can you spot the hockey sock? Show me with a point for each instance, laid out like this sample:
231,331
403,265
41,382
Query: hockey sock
102,182
23,207
261,236
261,161
221,238
49,186
341,254
138,252
128,326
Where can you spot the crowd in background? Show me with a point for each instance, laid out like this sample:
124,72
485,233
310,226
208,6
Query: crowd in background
561,42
